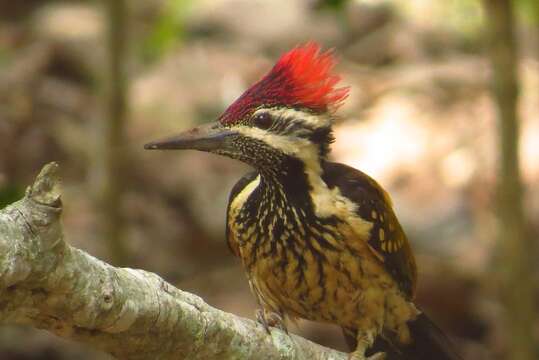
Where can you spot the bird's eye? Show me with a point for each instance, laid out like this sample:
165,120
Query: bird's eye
263,121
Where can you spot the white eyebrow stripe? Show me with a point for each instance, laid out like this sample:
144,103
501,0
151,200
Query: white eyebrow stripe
315,121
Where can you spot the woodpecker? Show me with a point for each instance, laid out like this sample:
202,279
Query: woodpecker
318,240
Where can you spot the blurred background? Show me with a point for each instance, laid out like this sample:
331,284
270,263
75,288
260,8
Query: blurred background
433,116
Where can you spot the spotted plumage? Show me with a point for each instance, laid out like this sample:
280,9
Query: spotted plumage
328,268
387,239
318,240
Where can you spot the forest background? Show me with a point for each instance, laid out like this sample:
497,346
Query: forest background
443,94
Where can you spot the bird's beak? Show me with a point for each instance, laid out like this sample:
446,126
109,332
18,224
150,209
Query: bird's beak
208,137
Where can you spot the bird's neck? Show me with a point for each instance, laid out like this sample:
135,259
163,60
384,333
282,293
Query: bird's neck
300,183
293,182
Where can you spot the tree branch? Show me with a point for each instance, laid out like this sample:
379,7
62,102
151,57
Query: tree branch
131,314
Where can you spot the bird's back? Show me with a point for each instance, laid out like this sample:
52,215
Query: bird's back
386,238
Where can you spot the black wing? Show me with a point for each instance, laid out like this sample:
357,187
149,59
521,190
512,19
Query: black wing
238,187
387,239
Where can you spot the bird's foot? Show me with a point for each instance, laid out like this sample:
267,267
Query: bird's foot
365,340
270,318
357,356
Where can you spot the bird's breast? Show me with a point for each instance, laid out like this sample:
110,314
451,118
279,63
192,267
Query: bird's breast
307,268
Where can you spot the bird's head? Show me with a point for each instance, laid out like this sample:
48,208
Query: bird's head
288,113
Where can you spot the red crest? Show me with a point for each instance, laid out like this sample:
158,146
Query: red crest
301,78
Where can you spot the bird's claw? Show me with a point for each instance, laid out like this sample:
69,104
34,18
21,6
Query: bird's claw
270,319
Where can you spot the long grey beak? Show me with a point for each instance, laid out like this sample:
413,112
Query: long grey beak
207,137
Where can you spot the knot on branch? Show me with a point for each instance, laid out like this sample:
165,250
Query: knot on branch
45,190
31,239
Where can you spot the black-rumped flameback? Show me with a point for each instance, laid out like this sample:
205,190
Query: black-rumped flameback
318,240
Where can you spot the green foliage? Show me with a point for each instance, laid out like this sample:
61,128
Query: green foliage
464,16
334,5
528,10
10,194
169,29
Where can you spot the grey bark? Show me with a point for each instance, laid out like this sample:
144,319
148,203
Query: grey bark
131,314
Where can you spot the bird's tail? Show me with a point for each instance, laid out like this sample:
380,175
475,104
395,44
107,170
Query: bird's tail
428,343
